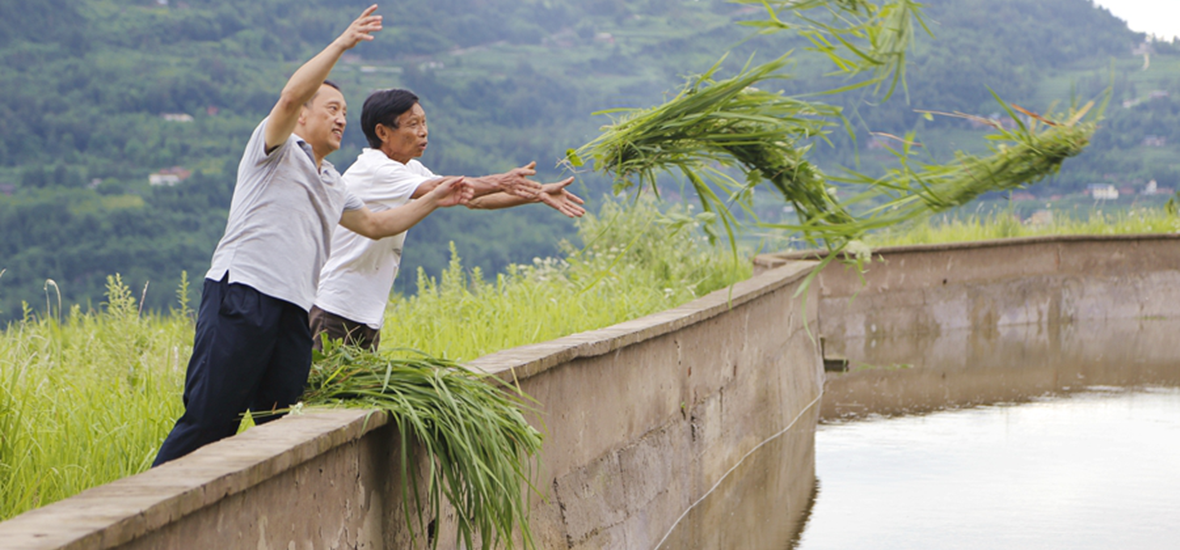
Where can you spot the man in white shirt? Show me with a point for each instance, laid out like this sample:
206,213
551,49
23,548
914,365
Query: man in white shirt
252,347
356,281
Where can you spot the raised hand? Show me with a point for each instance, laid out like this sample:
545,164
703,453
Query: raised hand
360,30
516,182
557,197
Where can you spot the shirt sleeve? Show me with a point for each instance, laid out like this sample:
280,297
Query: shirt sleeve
422,170
395,185
256,148
351,201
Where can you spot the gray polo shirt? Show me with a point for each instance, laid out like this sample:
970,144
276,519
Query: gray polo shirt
281,220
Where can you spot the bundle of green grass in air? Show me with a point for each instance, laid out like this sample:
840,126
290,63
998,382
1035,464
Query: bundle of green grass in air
479,447
1022,156
713,124
856,36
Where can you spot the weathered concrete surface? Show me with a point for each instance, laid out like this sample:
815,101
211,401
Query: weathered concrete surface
984,286
637,433
996,321
643,418
259,487
763,503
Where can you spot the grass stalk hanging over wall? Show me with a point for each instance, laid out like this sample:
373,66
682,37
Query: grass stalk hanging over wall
478,445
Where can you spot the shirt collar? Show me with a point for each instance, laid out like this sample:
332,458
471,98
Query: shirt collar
325,165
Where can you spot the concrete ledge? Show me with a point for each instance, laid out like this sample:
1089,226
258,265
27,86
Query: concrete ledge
530,360
771,261
984,286
116,513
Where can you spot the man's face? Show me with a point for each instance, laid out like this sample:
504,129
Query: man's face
409,139
323,121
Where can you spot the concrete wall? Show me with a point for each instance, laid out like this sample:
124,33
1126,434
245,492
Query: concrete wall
916,373
644,419
984,286
998,321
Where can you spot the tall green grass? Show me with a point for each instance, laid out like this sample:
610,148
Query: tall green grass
86,397
1003,224
636,261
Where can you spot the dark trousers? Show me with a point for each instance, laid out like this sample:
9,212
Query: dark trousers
336,327
251,352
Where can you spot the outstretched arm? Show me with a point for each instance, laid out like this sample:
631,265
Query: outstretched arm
306,81
553,195
515,182
377,225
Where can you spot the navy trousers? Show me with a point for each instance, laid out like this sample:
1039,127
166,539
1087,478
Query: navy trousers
251,352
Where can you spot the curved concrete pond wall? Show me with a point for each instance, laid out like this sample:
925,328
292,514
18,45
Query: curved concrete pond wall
1066,300
644,419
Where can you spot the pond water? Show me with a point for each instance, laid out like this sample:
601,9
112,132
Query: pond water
1024,437
1094,469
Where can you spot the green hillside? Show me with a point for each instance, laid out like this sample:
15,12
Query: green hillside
85,86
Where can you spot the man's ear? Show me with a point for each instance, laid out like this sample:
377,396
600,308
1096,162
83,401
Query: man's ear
382,132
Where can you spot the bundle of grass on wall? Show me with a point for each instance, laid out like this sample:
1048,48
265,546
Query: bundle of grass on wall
478,445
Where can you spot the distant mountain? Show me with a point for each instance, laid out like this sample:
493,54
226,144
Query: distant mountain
95,95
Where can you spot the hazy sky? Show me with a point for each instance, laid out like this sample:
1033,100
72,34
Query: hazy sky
1158,17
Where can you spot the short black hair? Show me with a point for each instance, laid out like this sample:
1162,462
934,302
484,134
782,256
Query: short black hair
383,107
328,83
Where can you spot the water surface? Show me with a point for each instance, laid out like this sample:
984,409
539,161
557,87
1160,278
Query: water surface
1020,437
1094,469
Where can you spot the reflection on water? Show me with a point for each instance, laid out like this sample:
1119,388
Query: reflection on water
1096,469
1072,440
905,374
1047,438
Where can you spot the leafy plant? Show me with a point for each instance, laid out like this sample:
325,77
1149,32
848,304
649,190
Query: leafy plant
477,442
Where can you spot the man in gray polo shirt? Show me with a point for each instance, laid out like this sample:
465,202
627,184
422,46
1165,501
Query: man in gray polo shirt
252,349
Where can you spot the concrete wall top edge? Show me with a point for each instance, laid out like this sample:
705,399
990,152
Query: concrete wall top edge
530,360
112,514
776,259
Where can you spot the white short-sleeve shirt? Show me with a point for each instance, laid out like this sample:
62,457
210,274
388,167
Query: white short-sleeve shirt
281,218
356,281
